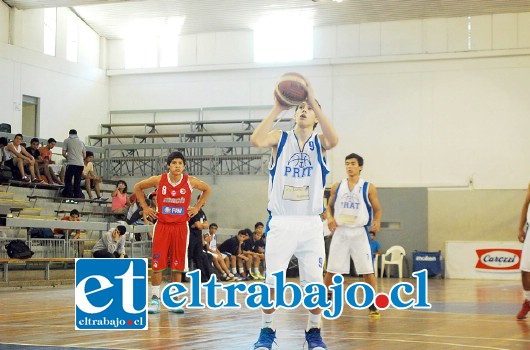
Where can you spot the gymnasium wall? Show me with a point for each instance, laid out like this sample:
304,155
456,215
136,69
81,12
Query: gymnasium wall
72,95
430,104
427,108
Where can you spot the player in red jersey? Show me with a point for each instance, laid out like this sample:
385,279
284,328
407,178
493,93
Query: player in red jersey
170,233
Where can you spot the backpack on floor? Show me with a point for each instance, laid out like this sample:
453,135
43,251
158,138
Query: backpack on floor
5,174
17,249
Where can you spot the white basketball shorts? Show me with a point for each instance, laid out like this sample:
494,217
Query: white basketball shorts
350,242
525,255
301,236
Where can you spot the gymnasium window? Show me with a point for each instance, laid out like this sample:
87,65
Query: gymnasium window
284,37
153,43
50,30
72,33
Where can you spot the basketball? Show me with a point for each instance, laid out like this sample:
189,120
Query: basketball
291,89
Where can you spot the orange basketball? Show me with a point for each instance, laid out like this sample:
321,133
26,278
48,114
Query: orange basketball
291,89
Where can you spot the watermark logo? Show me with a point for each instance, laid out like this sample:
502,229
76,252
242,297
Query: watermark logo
498,259
288,295
110,294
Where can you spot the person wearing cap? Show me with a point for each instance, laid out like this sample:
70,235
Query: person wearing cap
75,153
111,244
47,166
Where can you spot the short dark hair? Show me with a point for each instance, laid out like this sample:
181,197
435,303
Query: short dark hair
21,136
34,140
360,159
243,232
74,212
213,224
122,229
175,155
372,232
51,139
259,223
89,154
72,132
3,141
123,182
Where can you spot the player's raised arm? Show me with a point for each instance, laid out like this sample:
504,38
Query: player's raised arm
263,136
329,137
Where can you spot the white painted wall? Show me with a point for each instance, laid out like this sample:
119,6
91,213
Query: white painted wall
4,23
427,103
71,95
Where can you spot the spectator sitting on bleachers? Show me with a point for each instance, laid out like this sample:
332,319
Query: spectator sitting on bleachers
33,149
90,179
210,240
231,249
74,216
111,244
250,251
48,167
16,157
120,199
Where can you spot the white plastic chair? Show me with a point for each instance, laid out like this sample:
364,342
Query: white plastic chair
393,256
376,263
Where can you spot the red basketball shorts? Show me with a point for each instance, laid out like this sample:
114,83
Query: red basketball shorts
170,245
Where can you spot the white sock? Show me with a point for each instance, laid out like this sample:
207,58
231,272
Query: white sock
241,270
155,290
224,274
527,294
266,320
234,270
313,321
256,270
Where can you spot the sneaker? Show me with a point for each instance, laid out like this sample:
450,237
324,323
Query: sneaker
260,276
229,278
314,339
36,181
154,305
177,310
374,313
240,277
524,310
25,178
266,339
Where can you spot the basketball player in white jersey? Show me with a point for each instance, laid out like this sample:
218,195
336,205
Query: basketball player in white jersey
297,178
353,207
525,257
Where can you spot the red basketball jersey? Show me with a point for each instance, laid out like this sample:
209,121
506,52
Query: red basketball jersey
173,199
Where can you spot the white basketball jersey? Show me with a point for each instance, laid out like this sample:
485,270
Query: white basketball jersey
353,208
297,177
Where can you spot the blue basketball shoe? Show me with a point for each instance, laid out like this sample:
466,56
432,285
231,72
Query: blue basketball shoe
314,340
154,305
266,339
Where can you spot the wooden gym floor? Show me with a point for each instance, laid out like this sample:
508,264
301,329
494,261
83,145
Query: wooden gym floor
466,314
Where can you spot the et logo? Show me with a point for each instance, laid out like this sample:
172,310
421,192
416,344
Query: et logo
110,294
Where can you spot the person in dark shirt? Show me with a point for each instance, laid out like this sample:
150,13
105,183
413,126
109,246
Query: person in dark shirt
33,149
232,249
